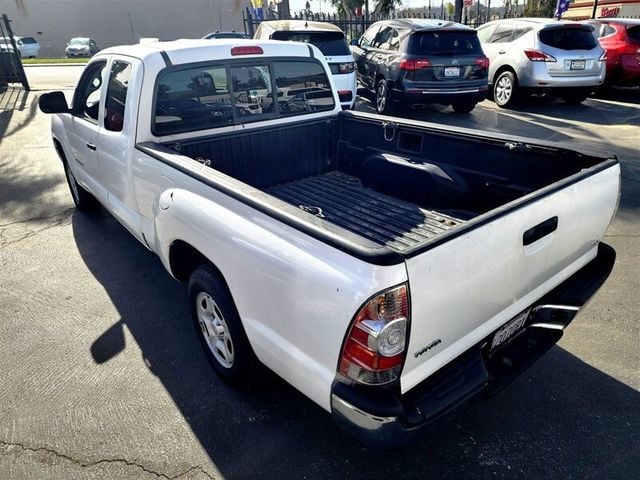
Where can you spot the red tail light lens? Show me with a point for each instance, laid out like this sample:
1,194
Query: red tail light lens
249,50
483,62
538,56
411,64
373,351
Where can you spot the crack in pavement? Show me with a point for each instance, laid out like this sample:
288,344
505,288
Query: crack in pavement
54,220
9,445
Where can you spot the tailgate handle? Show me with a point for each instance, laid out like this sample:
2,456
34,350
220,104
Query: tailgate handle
539,231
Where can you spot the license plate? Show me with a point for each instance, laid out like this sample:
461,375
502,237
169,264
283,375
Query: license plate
578,64
509,331
451,71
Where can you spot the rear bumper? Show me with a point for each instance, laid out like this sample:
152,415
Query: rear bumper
386,418
418,96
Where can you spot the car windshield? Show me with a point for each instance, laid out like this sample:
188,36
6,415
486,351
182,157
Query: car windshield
79,41
634,32
569,38
449,42
329,43
28,40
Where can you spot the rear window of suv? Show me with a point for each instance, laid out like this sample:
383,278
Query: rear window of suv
448,42
329,43
569,38
634,32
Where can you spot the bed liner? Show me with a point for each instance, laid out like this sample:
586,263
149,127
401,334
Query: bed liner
342,200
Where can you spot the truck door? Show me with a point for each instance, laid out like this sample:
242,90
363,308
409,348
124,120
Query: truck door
116,139
84,126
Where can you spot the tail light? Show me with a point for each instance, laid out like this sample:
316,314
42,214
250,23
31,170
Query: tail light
249,50
411,64
346,67
482,62
538,56
373,351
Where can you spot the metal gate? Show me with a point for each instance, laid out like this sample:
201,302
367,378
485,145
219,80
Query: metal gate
11,70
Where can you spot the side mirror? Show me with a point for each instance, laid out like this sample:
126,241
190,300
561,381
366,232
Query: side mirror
53,102
355,42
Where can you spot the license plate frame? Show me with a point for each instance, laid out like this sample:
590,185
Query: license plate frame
578,65
451,72
509,331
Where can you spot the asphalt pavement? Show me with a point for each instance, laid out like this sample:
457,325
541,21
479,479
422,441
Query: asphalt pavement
102,376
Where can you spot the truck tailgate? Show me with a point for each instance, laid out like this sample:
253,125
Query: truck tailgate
466,287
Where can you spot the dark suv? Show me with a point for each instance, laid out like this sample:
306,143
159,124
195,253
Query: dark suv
419,61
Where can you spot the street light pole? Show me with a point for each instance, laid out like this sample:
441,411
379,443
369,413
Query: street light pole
595,6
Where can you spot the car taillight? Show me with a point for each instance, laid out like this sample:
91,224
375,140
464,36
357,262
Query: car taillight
373,351
538,56
412,64
249,50
346,67
483,62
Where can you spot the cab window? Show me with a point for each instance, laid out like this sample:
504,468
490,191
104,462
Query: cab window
117,95
86,102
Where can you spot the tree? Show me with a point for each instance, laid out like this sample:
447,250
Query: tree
386,6
450,8
540,8
346,8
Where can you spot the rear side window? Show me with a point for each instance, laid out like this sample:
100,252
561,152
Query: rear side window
329,43
503,33
449,42
634,32
202,97
568,38
117,95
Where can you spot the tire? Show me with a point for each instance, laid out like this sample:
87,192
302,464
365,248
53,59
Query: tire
505,89
463,107
383,102
84,201
220,330
574,98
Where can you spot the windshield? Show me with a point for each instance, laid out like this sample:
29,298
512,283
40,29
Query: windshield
569,38
329,43
444,43
79,41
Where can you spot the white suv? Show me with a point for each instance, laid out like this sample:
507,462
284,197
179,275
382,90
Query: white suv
331,42
540,55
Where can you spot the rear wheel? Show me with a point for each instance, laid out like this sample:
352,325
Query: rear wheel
505,89
85,202
383,102
463,107
219,328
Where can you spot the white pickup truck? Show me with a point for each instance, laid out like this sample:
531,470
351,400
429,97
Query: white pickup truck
391,270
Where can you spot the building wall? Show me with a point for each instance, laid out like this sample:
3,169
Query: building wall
117,22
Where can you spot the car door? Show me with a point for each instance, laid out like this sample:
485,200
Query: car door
497,47
116,139
84,126
360,52
377,55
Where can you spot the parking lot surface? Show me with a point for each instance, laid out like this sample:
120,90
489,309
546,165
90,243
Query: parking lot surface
102,375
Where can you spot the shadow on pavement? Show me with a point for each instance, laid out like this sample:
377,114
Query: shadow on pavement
562,419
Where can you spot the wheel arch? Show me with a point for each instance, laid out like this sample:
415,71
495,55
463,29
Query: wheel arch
501,70
185,258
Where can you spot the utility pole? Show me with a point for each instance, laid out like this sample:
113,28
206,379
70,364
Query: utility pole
595,7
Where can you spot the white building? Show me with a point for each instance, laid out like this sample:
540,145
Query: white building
116,22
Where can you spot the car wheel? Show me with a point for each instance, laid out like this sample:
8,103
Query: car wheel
574,98
383,102
505,89
463,107
219,328
84,201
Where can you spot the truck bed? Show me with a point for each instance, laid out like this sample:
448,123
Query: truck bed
342,200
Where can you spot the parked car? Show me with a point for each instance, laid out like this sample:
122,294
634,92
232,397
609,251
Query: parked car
331,42
541,56
620,37
6,46
218,34
419,61
81,47
28,47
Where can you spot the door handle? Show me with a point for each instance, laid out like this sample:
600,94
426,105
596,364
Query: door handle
540,231
91,146
502,52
